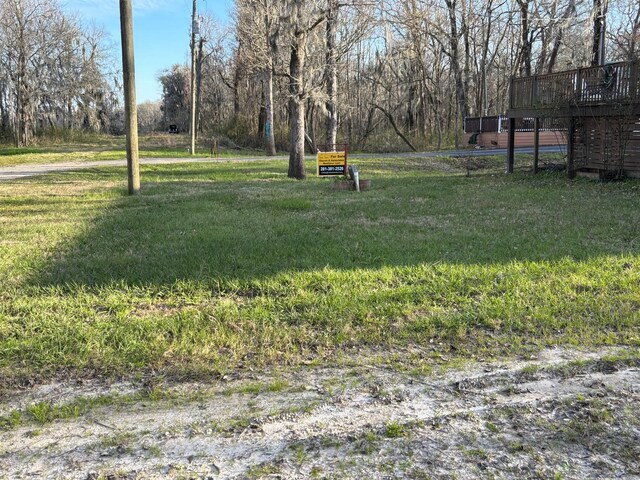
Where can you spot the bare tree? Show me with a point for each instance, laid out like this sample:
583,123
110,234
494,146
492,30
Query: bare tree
54,70
331,73
175,96
304,17
149,116
569,11
409,78
31,43
624,24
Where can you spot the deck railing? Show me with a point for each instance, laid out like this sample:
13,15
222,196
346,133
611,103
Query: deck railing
615,83
500,123
483,124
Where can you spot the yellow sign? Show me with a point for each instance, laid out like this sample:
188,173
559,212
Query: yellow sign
332,163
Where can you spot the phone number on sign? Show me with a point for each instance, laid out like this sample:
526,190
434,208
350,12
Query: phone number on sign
338,169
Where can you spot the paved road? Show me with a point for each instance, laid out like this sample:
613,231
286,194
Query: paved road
29,170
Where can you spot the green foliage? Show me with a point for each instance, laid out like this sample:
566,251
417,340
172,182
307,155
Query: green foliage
14,419
263,471
394,430
278,385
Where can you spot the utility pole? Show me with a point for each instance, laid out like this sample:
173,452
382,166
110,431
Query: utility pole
130,108
193,80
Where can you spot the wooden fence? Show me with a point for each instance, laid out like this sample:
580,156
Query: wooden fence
608,144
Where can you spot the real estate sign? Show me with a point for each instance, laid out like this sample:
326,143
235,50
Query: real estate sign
332,163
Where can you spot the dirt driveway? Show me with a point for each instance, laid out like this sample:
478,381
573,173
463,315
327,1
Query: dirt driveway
15,172
564,414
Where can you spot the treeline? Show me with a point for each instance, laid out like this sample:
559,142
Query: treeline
384,74
288,74
54,73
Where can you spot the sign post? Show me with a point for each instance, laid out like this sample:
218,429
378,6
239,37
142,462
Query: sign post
332,159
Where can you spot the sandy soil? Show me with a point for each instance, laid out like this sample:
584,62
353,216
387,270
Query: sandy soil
564,414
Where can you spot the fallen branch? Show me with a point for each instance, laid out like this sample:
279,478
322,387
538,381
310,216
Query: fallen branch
395,127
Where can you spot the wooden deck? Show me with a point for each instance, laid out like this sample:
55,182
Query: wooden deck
609,90
601,107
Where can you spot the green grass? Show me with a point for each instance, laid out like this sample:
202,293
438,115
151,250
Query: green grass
101,147
394,430
46,412
223,266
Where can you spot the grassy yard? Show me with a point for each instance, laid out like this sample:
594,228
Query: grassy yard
100,147
223,266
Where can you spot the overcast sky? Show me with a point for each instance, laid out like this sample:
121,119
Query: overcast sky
161,33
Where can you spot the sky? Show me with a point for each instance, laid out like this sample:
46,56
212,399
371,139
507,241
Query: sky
161,31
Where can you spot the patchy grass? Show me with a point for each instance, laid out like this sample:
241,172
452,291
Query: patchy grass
98,148
217,267
394,430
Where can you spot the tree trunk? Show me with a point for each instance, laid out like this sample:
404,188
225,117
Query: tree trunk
21,137
331,76
4,113
235,87
598,27
525,58
262,114
296,104
411,118
466,71
199,63
269,135
23,127
310,133
484,62
461,93
635,36
571,8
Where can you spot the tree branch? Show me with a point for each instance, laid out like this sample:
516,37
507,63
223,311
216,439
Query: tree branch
395,127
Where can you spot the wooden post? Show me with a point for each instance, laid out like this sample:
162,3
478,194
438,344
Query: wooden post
511,145
536,143
130,108
570,148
